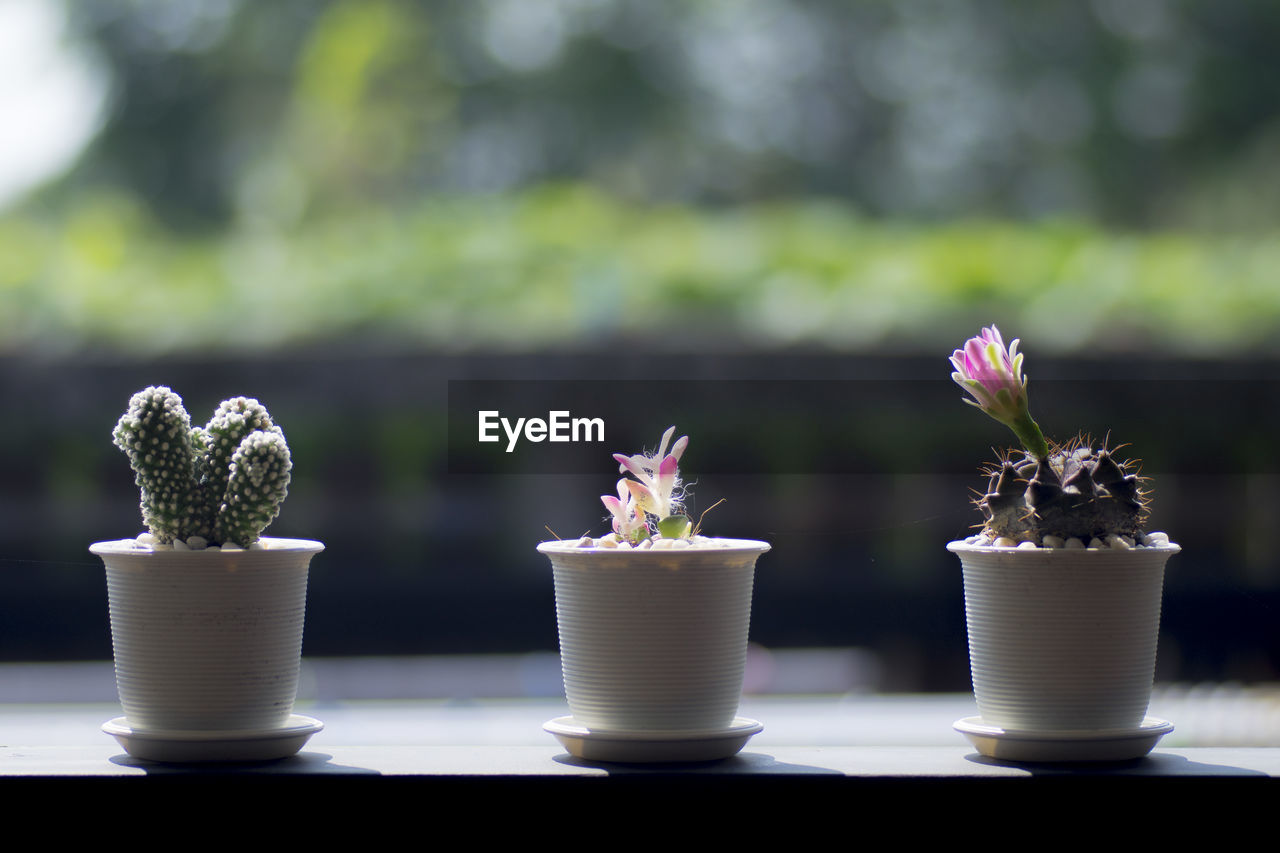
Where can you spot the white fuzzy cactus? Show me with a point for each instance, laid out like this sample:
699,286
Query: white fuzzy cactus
223,482
156,434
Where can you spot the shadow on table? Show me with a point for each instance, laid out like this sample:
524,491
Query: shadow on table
1156,764
304,763
744,763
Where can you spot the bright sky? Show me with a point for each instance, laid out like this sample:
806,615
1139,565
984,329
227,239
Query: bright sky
51,98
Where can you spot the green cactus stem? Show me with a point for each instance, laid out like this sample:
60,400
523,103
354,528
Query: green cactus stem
232,422
1075,491
675,527
258,484
155,433
223,482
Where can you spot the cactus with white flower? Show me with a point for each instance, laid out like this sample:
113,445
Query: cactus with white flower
220,484
1055,495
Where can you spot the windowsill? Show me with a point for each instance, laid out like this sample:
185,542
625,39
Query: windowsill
1230,734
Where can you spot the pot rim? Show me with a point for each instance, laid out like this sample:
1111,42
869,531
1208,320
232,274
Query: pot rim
274,545
736,546
962,547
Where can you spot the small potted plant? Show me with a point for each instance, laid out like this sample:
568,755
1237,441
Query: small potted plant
206,615
653,621
1062,586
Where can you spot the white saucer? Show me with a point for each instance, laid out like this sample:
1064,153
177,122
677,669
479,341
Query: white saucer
651,747
187,746
1114,745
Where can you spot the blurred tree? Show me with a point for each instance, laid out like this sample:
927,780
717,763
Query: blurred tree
193,86
1126,111
368,109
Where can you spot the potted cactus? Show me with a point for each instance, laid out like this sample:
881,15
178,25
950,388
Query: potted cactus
206,614
1062,586
653,621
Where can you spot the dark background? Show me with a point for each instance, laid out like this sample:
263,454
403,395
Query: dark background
766,222
858,481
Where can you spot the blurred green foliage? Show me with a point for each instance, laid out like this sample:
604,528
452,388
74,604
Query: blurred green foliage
567,265
674,175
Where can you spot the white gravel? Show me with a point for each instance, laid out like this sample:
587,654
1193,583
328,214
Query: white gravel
1114,542
657,543
147,542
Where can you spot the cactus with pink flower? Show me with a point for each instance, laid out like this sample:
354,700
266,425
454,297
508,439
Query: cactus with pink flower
1056,495
649,511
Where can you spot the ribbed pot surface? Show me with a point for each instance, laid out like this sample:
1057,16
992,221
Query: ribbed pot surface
654,640
1062,640
207,641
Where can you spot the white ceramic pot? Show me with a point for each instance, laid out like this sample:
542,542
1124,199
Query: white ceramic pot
207,641
1062,640
654,641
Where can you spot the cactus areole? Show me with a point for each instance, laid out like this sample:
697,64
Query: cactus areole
220,484
1068,491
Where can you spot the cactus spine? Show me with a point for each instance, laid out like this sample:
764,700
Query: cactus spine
1075,491
223,482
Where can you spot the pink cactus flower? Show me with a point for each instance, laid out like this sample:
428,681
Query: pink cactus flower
992,374
628,518
656,487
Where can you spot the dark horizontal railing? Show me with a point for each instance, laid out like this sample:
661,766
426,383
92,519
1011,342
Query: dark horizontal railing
858,469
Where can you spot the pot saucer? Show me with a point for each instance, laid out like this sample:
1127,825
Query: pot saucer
651,747
189,746
1110,745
